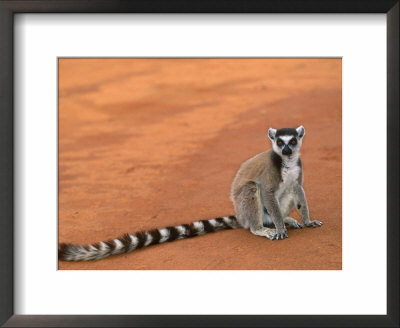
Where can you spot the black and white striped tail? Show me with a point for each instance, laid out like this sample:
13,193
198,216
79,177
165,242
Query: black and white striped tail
127,243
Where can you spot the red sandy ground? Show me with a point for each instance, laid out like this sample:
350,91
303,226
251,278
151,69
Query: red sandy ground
147,143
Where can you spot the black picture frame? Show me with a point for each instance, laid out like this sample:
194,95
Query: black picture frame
7,11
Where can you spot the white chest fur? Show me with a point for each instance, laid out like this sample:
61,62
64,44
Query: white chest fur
290,173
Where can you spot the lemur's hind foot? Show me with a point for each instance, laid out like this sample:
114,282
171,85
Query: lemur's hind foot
272,234
313,224
293,223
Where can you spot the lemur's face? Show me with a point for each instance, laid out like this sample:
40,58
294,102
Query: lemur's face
286,141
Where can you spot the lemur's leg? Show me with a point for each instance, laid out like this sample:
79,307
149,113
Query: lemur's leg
272,208
250,210
286,205
302,208
267,220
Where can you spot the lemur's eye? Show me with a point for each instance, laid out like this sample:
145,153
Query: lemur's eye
293,142
279,143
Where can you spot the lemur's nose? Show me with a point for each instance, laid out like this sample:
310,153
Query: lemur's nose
286,150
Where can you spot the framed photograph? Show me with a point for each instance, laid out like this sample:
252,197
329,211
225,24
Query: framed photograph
152,146
130,127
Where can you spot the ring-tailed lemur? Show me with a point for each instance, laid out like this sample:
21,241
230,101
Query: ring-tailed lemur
264,191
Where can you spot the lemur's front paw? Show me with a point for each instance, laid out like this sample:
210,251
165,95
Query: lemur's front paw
314,224
280,234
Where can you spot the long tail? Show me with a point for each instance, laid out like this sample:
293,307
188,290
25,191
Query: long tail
127,243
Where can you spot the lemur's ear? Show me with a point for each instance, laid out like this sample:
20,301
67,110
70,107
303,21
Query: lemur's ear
271,133
301,131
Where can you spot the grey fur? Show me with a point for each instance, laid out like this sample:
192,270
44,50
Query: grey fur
269,185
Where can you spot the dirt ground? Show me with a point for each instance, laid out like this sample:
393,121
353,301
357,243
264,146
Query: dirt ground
146,143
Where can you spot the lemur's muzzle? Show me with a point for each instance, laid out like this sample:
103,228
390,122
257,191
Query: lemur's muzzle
286,150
